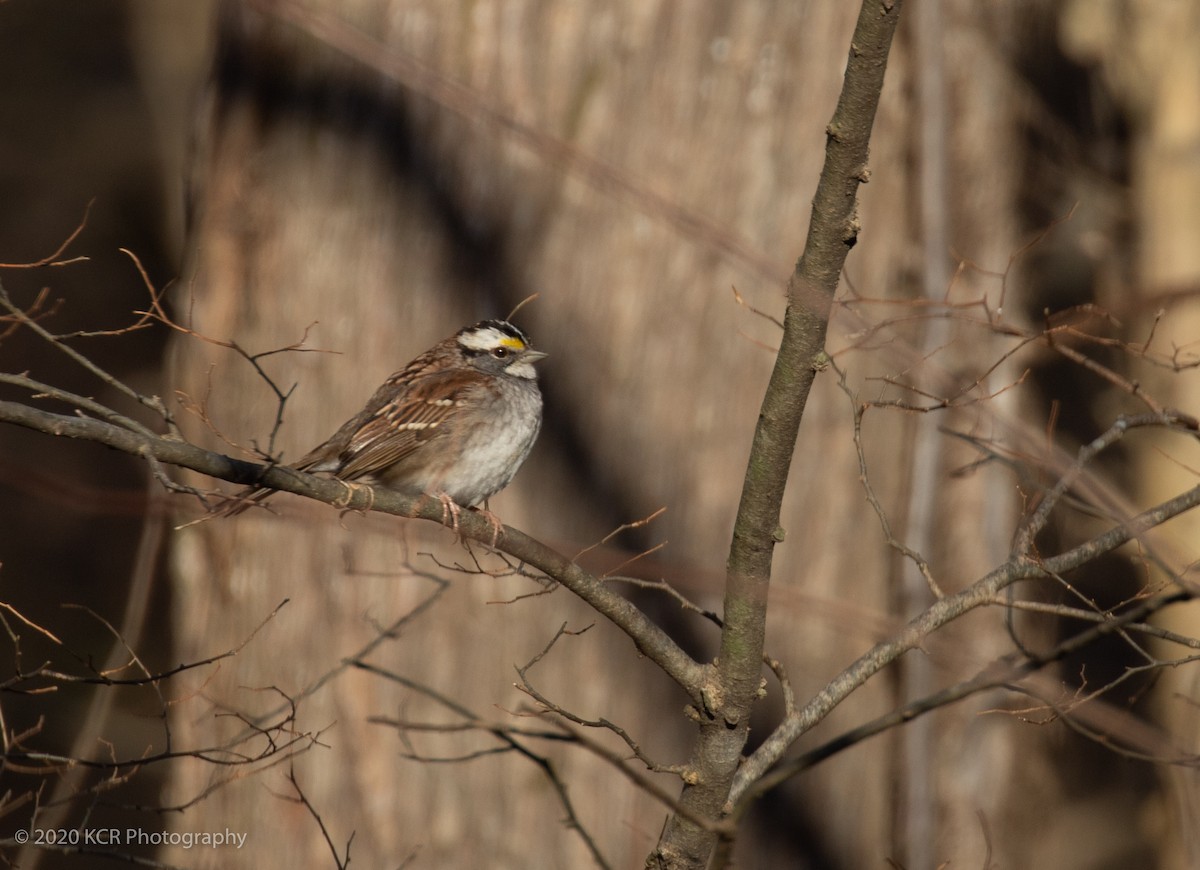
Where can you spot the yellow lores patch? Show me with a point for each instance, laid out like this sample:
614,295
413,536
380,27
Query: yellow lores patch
514,343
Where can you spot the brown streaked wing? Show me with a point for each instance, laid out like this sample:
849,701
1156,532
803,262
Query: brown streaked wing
411,420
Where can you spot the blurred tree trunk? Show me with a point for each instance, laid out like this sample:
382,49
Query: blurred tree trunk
384,217
1149,58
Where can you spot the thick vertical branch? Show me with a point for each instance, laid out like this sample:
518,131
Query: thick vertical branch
833,229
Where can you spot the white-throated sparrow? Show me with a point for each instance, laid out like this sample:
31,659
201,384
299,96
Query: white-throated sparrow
455,423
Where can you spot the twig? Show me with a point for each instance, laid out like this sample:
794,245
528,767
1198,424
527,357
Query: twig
152,402
53,259
42,631
649,638
509,743
549,706
667,589
1001,673
339,861
859,410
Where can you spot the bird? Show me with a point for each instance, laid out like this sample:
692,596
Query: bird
455,423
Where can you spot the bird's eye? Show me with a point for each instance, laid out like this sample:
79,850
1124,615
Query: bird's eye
500,352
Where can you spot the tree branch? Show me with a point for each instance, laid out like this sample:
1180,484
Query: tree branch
736,681
650,640
1019,567
1000,673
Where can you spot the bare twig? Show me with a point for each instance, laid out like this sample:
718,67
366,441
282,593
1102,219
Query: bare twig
152,402
340,860
509,743
1001,673
550,707
860,409
53,259
1020,566
649,638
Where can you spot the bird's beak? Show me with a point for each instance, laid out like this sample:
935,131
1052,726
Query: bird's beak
532,356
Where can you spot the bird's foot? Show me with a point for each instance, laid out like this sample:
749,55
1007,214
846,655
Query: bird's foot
351,488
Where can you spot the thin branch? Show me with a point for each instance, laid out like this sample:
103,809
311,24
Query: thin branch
643,782
339,861
43,631
1001,673
984,591
53,259
509,742
152,402
101,679
667,589
859,410
550,707
1036,521
83,403
649,638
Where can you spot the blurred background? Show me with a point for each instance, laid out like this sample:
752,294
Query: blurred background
363,178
